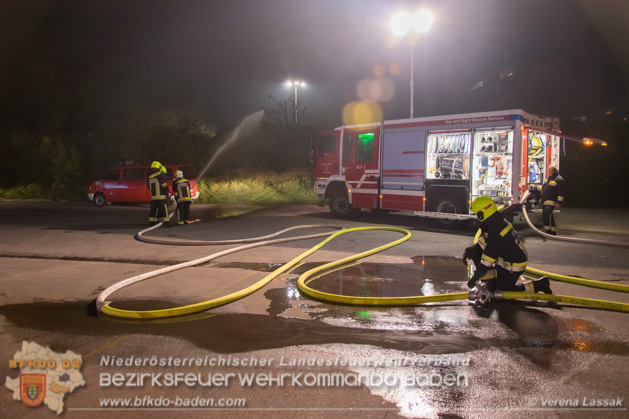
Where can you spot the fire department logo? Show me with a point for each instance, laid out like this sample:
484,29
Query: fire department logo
32,389
45,376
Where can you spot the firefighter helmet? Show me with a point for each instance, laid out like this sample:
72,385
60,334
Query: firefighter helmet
157,165
178,174
483,207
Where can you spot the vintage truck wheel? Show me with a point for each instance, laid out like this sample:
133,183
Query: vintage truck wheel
100,200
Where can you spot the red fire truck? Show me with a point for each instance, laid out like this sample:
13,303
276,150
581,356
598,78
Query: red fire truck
434,166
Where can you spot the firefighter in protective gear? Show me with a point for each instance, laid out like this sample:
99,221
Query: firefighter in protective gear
499,255
156,182
181,189
552,198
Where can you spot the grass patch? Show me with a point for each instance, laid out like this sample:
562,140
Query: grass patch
32,191
264,188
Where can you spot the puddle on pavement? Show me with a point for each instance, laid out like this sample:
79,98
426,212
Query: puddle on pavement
427,276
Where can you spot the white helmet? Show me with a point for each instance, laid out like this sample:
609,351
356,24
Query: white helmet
178,174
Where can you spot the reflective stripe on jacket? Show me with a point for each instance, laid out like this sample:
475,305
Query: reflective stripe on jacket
501,244
156,183
181,189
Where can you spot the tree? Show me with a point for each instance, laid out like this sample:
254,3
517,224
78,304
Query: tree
169,134
286,113
62,164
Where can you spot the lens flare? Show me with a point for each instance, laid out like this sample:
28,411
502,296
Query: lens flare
422,21
401,24
395,69
378,70
380,89
358,113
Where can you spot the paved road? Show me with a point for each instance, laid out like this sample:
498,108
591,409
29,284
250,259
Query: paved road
509,360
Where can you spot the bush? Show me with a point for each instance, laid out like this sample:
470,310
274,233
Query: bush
31,191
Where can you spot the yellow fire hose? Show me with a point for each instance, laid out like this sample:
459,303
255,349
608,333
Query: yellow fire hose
314,273
607,305
578,281
104,307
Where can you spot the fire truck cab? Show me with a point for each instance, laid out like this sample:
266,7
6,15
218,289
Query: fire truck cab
434,166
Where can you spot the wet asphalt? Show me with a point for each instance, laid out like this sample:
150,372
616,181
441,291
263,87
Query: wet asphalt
455,359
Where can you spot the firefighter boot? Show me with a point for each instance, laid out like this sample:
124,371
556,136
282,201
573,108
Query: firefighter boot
542,285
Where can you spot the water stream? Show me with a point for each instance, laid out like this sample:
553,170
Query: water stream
254,117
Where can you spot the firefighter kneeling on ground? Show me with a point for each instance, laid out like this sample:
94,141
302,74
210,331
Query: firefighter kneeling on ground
499,255
156,183
181,189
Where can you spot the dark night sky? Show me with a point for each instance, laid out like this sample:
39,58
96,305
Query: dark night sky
571,56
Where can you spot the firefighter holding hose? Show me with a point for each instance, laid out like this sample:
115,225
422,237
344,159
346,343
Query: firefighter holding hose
160,195
181,190
499,254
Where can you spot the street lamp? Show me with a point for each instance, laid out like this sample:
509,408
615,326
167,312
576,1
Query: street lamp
402,24
295,84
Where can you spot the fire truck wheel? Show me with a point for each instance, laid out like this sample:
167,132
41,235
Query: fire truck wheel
448,207
100,200
341,208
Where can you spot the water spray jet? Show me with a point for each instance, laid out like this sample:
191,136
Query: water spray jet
246,121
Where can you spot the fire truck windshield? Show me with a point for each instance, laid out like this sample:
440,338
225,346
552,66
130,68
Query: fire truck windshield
327,144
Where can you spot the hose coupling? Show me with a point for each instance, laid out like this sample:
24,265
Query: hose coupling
100,304
482,295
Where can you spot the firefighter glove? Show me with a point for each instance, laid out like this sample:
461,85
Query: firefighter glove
481,270
472,253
